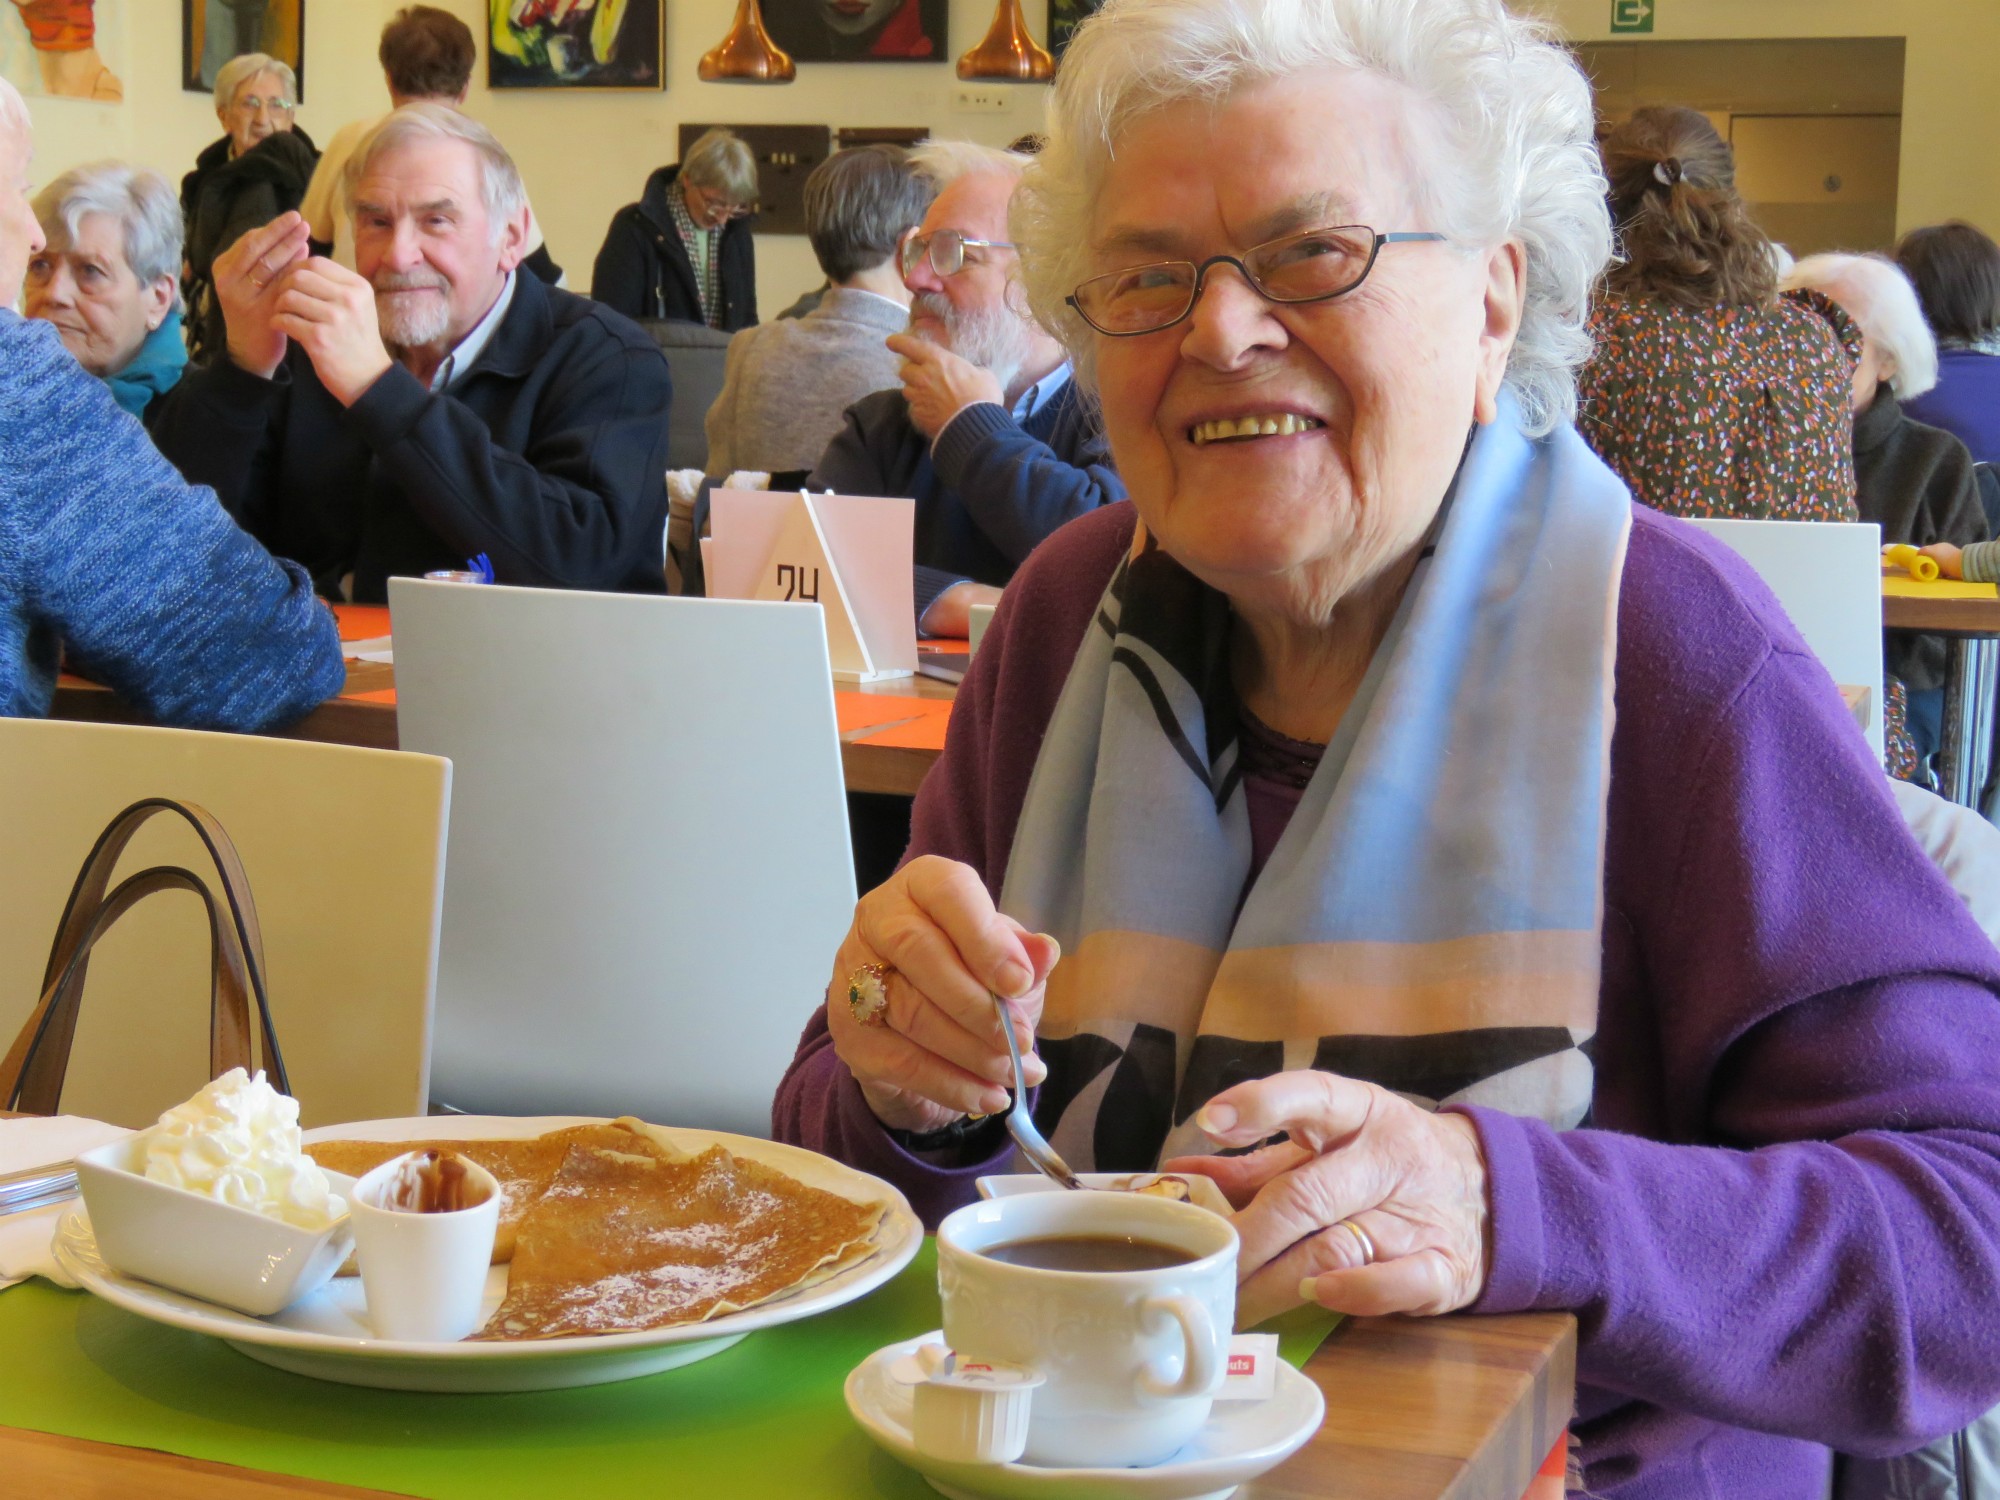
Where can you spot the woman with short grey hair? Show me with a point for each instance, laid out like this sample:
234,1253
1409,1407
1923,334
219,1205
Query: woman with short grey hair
1915,481
259,169
109,277
1468,869
108,557
786,385
684,252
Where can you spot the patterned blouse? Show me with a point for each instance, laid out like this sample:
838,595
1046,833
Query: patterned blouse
1738,412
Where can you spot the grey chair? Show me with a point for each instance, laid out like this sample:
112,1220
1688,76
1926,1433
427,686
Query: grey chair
694,352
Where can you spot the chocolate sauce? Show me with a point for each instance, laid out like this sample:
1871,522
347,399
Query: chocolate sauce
432,1182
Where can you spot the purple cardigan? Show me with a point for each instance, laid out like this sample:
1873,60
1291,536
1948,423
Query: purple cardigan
1783,969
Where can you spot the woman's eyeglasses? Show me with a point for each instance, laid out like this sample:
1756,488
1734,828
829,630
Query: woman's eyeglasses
945,250
1308,267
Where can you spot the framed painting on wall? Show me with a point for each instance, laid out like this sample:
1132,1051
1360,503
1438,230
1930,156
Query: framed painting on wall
213,31
54,48
576,44
1064,17
861,30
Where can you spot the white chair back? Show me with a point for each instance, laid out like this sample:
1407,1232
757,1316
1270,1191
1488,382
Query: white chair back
650,868
344,850
1828,576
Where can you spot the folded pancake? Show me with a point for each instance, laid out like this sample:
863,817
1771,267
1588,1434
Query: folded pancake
524,1168
635,1235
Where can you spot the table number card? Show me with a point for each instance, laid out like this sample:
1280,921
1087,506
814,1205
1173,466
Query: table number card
849,554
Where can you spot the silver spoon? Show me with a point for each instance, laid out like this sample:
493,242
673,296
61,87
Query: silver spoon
1021,1124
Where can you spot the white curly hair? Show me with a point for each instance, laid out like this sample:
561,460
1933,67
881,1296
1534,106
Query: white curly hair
1517,158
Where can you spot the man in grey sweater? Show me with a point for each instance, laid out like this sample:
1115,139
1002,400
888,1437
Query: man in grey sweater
786,384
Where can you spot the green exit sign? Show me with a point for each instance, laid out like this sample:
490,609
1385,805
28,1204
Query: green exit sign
1632,15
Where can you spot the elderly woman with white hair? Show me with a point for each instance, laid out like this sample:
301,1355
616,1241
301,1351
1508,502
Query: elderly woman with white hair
108,558
1915,481
109,277
260,169
1287,808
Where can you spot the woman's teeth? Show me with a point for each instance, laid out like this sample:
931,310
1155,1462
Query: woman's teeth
1224,429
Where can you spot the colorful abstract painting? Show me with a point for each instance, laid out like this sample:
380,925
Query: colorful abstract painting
1064,17
213,31
64,49
576,44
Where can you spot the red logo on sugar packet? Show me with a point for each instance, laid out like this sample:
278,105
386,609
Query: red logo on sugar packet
1242,1364
1251,1370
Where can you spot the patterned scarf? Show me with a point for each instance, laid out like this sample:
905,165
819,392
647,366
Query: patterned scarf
704,248
1429,920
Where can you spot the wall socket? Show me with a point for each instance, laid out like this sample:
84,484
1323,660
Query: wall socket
994,99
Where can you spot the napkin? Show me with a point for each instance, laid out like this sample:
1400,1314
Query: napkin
24,1238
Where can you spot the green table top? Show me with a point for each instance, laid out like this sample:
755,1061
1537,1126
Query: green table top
765,1417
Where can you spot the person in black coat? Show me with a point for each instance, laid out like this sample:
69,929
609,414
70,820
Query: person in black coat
435,403
258,170
1914,481
684,250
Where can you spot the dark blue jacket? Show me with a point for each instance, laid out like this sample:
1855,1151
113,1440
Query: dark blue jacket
549,456
988,492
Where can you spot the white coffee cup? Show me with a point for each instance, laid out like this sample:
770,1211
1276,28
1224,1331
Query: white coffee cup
424,1273
1131,1360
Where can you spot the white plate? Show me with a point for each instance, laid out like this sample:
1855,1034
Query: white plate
1240,1440
1202,1191
327,1335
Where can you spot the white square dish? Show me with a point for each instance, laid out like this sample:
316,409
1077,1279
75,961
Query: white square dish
218,1252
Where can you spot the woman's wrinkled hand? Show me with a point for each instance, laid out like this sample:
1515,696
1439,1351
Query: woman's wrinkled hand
940,1053
1359,1158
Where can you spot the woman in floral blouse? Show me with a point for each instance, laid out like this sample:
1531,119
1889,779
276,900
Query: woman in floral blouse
1709,393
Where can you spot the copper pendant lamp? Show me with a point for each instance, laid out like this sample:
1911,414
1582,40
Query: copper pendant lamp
1008,52
747,54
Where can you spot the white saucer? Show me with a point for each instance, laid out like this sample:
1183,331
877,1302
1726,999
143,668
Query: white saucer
1240,1441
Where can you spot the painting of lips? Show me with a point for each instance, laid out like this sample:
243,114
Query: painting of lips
575,44
860,30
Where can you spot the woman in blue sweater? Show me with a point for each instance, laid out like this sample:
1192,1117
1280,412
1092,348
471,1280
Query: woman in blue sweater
105,551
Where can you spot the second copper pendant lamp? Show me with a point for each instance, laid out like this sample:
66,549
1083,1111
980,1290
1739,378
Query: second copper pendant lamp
1009,53
747,54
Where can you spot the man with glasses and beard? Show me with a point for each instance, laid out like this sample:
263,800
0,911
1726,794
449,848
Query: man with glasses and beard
988,433
432,404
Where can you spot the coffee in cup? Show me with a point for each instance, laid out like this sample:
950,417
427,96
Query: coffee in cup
1124,1304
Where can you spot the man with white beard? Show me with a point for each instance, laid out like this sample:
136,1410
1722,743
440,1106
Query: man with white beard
988,434
431,405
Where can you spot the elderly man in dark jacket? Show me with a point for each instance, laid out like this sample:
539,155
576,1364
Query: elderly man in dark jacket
432,405
988,434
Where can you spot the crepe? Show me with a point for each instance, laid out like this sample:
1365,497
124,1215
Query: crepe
523,1168
638,1235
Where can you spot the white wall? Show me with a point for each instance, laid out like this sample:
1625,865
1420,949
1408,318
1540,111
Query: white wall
583,154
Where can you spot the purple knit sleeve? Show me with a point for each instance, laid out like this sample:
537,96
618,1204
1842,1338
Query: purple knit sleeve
1814,1250
966,810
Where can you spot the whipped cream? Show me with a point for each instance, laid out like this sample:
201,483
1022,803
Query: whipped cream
237,1141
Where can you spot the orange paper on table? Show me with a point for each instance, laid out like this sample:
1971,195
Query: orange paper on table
854,711
373,695
925,732
361,622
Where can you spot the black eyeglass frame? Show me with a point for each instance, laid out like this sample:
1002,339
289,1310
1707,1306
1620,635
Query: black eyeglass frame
908,257
1201,270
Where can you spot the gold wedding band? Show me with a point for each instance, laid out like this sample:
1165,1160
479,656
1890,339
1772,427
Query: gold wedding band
868,994
1369,1254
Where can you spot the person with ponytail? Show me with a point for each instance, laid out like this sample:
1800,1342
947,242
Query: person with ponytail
1710,392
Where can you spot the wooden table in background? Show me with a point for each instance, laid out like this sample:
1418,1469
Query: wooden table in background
351,719
1455,1408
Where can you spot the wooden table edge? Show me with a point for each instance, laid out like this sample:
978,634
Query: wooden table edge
45,1463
